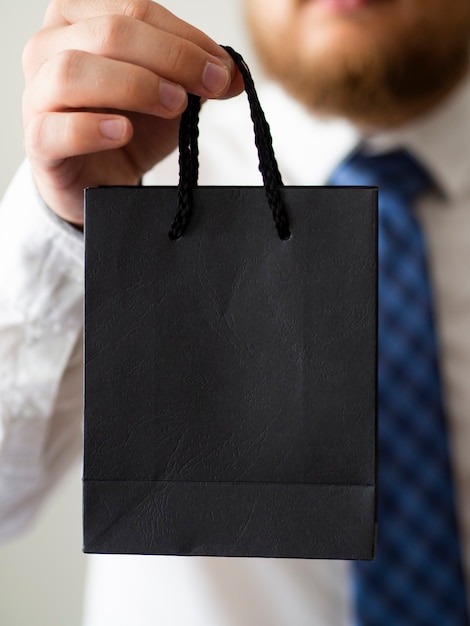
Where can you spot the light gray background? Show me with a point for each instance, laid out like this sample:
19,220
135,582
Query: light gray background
42,573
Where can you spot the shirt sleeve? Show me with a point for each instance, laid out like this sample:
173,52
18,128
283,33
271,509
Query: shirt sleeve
41,322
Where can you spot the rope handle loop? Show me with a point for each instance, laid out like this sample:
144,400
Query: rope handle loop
189,161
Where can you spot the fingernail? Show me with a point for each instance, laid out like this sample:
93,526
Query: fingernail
172,96
215,78
113,129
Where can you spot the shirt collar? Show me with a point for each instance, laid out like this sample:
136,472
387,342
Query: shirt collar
440,139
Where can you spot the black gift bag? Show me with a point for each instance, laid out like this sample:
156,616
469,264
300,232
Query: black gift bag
230,365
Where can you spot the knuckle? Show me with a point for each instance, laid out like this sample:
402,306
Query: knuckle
30,52
33,136
55,5
175,58
53,8
141,88
57,82
137,9
67,68
110,33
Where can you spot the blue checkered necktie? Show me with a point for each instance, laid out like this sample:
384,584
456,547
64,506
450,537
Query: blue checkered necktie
416,578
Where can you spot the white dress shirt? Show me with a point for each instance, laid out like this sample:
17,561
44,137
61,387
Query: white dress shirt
41,283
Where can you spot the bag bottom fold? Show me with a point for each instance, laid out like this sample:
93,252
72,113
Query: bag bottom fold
321,521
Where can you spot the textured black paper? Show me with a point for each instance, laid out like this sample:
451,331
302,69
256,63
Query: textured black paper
230,376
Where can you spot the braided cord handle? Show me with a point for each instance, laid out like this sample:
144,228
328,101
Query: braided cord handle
189,163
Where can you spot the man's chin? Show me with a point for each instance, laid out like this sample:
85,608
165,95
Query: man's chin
371,62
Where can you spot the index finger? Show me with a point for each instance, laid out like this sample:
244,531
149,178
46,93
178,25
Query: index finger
63,12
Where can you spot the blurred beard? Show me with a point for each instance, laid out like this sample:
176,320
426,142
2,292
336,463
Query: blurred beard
375,84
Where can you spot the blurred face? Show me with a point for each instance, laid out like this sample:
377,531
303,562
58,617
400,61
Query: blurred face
377,62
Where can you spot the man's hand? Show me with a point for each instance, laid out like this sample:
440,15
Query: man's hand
106,83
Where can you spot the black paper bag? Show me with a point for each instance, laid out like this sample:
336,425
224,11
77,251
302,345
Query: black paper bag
230,370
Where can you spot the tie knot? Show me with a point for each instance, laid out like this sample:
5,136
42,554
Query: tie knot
396,172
